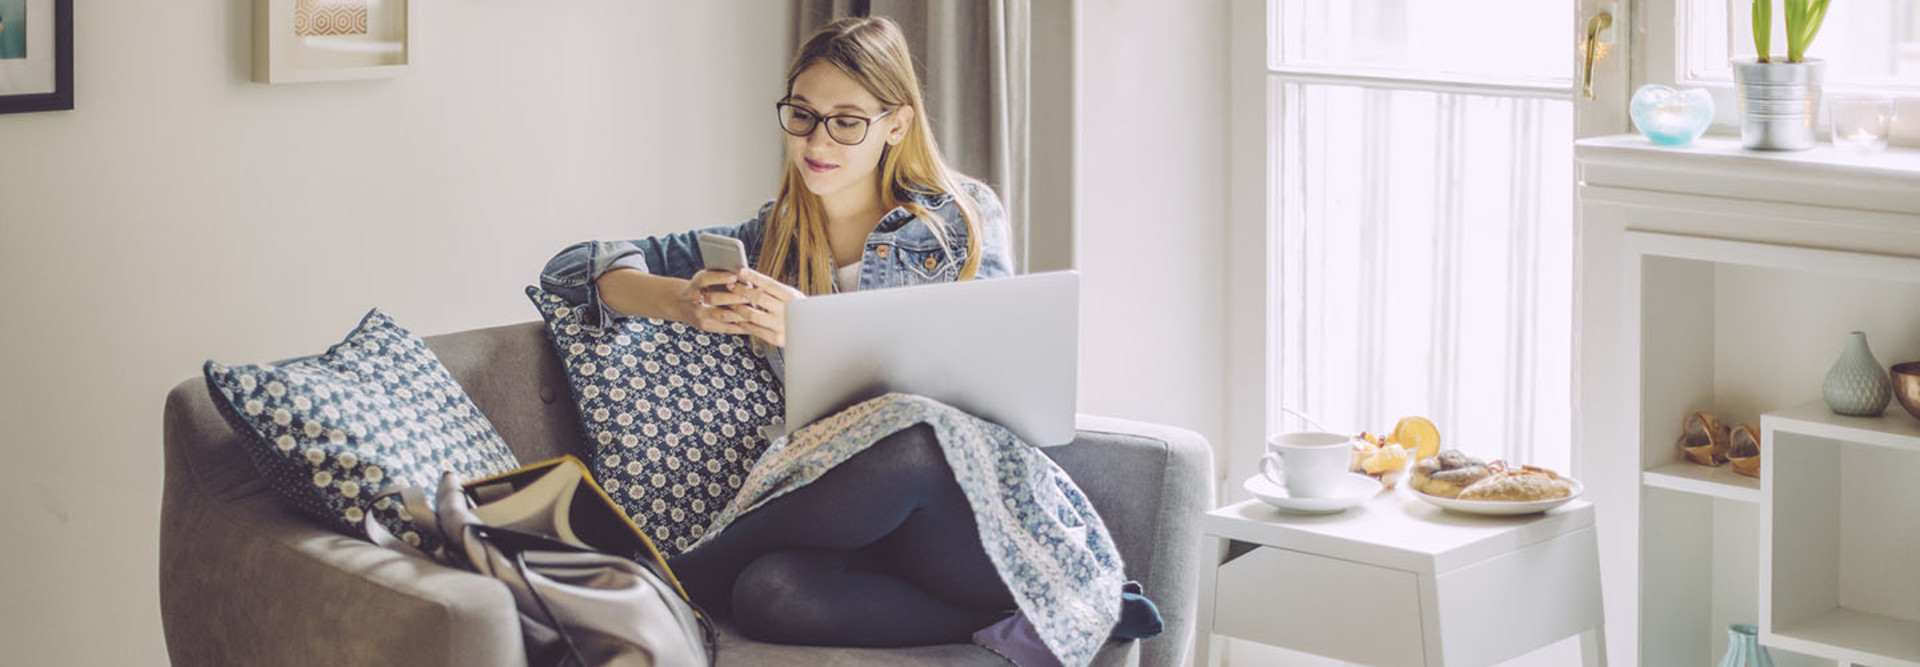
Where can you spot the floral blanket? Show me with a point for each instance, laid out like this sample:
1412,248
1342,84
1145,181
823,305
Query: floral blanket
1050,547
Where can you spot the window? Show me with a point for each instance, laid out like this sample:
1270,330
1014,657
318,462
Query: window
1866,43
1422,212
1871,46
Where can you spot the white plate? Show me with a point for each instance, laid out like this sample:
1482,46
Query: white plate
1354,490
1500,507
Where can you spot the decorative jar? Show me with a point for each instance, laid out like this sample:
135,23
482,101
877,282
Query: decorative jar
1857,385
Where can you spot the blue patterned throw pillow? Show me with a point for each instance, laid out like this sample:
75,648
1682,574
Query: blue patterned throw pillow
375,411
674,416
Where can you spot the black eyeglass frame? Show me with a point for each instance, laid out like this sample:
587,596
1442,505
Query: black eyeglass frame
866,128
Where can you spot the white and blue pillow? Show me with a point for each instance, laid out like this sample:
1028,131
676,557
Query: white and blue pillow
674,416
375,411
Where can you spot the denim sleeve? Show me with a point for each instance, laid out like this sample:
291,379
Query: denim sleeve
573,274
996,233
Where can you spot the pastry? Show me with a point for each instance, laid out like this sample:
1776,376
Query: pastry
1521,485
1448,474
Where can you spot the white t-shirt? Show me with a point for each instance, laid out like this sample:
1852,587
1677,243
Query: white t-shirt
849,277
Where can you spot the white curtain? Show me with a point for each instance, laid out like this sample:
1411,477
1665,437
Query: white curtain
973,57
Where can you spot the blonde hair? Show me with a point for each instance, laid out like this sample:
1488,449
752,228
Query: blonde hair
873,52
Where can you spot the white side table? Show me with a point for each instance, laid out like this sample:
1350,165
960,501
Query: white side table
1462,590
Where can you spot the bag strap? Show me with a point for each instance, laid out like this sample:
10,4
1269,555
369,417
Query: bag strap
553,621
414,500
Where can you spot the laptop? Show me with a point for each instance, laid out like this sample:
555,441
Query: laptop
1002,349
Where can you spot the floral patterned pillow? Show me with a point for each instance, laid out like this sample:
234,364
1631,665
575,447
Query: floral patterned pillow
674,416
375,411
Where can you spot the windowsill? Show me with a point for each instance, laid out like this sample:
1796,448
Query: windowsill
1717,166
1894,160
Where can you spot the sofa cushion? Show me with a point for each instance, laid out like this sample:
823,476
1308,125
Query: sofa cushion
375,411
674,416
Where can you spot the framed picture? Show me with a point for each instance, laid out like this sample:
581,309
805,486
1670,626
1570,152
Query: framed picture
330,40
36,55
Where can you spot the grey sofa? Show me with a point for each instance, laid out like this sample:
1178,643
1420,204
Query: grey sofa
246,581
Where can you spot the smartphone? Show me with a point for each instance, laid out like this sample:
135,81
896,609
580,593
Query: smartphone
722,252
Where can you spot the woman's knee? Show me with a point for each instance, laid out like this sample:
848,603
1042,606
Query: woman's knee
771,598
910,453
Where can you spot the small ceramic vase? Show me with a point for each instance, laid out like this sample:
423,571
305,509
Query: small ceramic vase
1858,384
1744,649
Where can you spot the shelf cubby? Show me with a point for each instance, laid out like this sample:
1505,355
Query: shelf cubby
1840,535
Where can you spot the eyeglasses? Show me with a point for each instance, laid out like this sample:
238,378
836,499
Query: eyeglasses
846,129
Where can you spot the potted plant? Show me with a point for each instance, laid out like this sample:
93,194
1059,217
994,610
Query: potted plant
1779,98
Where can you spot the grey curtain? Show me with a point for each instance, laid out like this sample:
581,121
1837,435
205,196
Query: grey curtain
973,57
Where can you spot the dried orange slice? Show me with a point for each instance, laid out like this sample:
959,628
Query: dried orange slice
1418,435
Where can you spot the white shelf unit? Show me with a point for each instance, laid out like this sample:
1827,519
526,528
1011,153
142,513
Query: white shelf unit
1703,534
1715,279
1689,477
1840,535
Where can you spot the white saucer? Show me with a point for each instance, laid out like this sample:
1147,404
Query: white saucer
1354,490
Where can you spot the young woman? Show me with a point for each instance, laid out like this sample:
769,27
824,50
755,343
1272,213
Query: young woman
883,548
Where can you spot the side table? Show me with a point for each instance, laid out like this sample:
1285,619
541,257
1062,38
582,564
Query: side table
1398,581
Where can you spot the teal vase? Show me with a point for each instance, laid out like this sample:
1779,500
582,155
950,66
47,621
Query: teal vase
1857,385
1744,649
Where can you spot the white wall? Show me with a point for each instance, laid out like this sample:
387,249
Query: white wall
1151,211
184,213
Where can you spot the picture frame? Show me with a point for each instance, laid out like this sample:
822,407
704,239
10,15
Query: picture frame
331,40
36,55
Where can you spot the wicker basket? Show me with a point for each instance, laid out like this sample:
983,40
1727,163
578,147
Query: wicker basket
1743,450
1704,439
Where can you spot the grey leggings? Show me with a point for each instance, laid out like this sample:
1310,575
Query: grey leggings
880,551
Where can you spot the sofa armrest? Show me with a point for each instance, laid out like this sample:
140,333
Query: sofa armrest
245,581
1151,483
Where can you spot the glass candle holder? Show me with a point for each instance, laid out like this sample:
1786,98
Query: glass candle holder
1860,123
1671,117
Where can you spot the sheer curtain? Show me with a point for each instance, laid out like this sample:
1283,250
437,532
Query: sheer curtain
1423,211
973,57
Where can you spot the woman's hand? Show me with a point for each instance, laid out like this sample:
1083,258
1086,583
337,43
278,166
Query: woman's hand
707,304
761,306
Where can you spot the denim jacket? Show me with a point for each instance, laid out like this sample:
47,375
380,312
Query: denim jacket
901,251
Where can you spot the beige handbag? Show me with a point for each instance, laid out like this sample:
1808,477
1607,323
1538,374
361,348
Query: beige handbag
590,588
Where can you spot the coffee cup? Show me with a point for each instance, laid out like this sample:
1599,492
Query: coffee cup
1308,464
